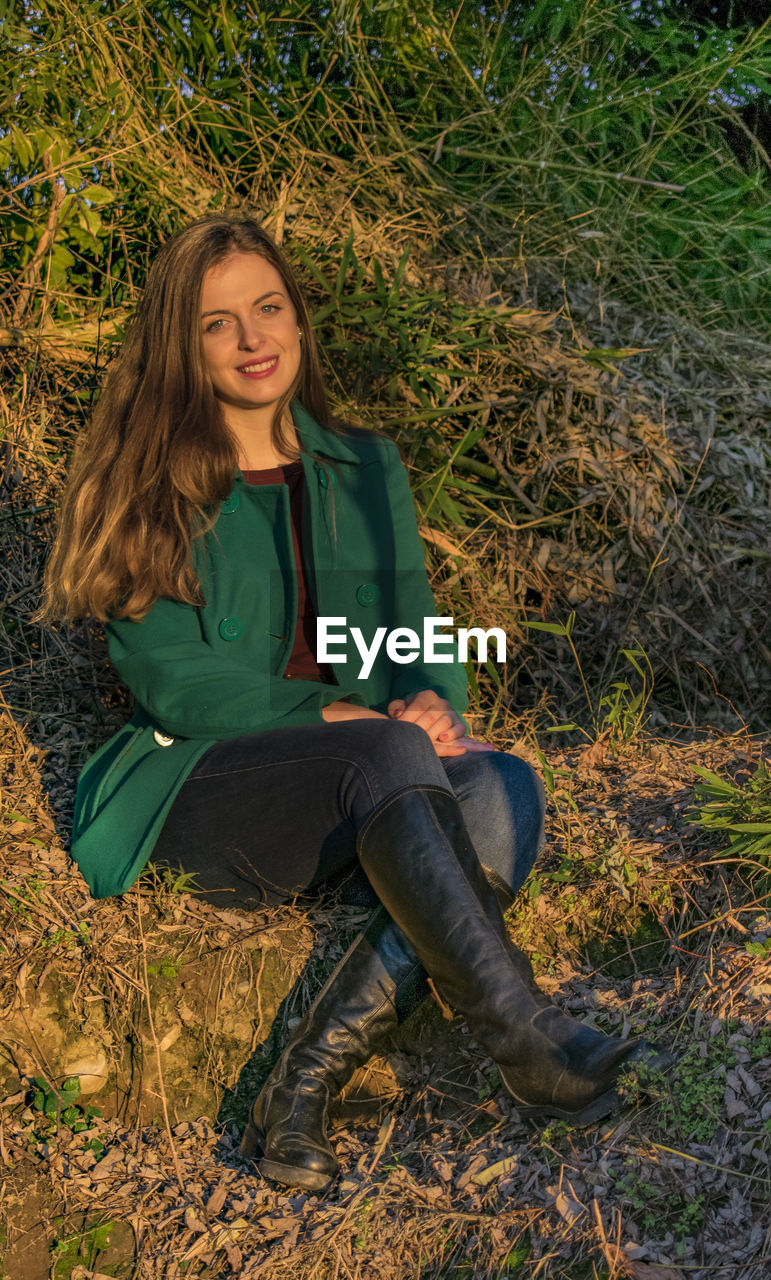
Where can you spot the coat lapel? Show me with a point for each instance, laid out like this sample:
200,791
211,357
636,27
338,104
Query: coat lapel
322,492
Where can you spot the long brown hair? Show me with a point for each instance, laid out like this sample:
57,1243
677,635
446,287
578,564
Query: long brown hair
158,458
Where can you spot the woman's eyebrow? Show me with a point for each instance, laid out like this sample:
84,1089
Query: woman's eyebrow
219,311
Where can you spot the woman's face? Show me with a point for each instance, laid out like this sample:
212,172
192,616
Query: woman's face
251,343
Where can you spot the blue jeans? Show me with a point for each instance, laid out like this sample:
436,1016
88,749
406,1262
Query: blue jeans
264,818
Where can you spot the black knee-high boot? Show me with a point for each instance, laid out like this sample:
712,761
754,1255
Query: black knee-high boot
420,860
373,987
416,852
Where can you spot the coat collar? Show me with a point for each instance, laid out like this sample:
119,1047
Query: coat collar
315,439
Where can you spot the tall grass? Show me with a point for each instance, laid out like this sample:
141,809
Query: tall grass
581,137
434,171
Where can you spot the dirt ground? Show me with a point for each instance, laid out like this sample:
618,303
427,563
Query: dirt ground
168,1014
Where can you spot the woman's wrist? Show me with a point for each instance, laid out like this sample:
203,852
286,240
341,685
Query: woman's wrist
342,710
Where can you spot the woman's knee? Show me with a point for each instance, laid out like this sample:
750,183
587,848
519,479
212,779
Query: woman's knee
527,800
386,738
503,803
524,791
505,781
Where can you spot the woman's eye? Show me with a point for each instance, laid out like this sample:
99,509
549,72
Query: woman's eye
270,307
214,326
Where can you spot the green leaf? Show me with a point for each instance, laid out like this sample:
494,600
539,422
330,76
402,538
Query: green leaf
61,257
494,673
472,436
210,48
97,195
347,259
721,784
603,355
553,628
399,274
535,884
315,271
23,149
564,872
631,656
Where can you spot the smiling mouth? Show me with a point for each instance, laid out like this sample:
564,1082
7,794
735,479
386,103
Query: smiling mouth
258,368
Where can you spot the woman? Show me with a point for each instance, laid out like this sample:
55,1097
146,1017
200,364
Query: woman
212,515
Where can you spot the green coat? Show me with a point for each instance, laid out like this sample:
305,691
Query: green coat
203,674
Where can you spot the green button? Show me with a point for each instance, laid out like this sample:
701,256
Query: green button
368,593
231,504
325,480
230,628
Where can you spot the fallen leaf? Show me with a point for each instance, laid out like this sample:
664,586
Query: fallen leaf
493,1171
477,1163
210,1241
592,757
443,543
233,1254
568,1208
631,1269
171,1037
21,980
652,1271
106,1166
734,1107
217,1198
192,1221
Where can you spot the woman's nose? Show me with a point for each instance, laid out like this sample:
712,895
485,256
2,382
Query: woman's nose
250,334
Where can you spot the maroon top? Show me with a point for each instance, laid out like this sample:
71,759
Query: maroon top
302,660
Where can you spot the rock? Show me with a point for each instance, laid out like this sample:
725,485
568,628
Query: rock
92,1072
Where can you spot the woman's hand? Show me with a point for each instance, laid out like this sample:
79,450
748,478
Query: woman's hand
443,726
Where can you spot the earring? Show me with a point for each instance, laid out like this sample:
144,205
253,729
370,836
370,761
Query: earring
300,334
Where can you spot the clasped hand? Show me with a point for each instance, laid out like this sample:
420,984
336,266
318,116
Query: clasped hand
434,714
443,726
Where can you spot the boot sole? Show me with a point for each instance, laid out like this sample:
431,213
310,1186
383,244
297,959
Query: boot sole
655,1060
596,1110
290,1176
287,1174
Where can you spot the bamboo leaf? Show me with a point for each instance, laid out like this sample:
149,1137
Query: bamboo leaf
554,628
